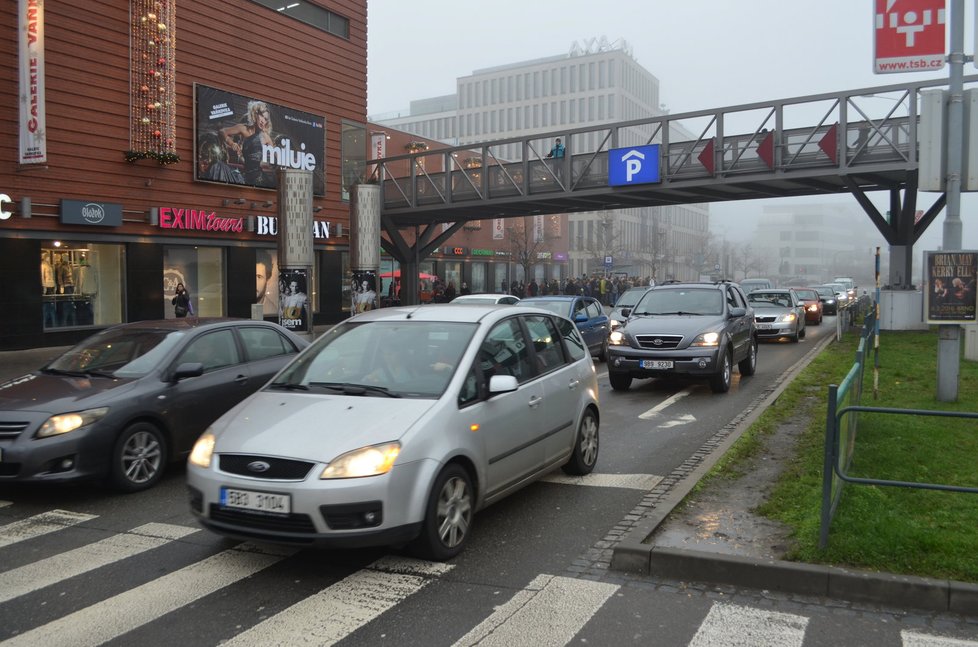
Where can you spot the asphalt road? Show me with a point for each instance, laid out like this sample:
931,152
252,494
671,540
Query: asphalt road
83,566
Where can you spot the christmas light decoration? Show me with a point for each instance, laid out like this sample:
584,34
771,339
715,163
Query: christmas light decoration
152,81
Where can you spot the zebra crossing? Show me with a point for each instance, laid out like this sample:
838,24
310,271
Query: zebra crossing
549,610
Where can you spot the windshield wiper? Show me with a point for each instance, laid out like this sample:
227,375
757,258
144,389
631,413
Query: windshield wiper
348,388
98,373
288,386
58,371
677,312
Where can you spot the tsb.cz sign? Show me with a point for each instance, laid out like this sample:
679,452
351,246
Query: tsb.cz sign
909,36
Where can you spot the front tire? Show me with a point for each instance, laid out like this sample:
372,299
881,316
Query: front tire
585,453
603,353
619,381
139,458
448,516
748,365
720,381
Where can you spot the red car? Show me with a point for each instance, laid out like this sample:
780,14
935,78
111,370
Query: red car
813,305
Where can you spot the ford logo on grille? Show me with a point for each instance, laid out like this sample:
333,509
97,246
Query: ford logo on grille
259,466
657,342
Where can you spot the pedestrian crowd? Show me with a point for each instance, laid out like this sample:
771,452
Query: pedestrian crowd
604,288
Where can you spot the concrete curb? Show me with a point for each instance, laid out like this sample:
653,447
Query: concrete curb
636,552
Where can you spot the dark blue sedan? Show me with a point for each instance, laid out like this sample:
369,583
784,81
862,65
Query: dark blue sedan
586,312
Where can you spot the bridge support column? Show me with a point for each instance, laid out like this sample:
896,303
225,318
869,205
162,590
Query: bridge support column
364,246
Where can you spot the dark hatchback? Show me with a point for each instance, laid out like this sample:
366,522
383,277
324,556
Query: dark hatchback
128,400
586,312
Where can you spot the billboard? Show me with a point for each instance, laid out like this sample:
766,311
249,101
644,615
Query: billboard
245,140
949,295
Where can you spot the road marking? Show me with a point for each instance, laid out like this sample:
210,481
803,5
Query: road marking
628,481
121,613
684,419
674,398
4,504
548,612
40,524
340,609
37,575
915,639
731,624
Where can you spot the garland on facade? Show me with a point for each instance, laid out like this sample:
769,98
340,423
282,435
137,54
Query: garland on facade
152,82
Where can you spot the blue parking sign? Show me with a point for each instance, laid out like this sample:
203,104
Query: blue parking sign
634,165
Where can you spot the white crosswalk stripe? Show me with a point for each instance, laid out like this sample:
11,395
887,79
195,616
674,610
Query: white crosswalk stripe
45,572
548,612
732,625
40,524
338,610
115,616
917,639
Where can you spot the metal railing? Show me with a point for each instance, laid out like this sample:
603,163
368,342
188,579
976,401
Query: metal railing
841,423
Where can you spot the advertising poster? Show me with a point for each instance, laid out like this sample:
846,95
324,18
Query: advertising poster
949,293
293,299
363,288
244,140
179,267
266,281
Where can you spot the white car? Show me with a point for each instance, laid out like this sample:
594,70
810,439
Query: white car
505,299
397,426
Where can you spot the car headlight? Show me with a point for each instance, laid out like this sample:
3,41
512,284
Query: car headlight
813,308
616,338
706,339
366,461
614,323
788,318
65,422
830,301
203,450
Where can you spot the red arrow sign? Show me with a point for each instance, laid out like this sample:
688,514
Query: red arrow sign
706,157
830,143
765,150
909,36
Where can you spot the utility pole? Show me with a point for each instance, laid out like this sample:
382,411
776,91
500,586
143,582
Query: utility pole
949,335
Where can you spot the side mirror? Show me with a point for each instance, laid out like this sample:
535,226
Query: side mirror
188,369
502,384
626,312
738,312
580,316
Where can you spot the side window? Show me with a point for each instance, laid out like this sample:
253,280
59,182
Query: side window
544,337
504,352
580,307
214,350
594,310
261,343
732,299
469,392
572,339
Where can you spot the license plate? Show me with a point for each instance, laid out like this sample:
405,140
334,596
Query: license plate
256,501
764,326
656,364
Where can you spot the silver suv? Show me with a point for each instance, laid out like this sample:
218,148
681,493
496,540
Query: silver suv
695,329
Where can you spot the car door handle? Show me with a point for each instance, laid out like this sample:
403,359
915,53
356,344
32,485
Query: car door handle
573,384
241,379
535,400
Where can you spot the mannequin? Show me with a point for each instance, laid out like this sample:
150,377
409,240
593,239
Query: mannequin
86,284
66,280
47,275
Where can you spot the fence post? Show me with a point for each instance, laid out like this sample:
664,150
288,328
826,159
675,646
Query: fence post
828,474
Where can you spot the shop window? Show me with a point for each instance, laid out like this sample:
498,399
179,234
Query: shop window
81,284
201,271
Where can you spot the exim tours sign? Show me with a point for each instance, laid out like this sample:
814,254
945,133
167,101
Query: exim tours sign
197,220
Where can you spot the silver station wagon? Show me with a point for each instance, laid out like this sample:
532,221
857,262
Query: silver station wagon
397,425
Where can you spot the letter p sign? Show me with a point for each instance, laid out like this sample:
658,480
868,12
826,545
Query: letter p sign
636,165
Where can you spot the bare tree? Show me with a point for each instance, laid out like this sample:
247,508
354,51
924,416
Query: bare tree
746,260
526,245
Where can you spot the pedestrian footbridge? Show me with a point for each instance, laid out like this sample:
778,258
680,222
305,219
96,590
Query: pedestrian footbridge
855,141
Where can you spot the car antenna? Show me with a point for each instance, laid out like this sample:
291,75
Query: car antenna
411,314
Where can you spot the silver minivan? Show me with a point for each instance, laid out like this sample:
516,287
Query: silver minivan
397,425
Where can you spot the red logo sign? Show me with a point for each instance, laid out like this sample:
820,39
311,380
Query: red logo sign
909,36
